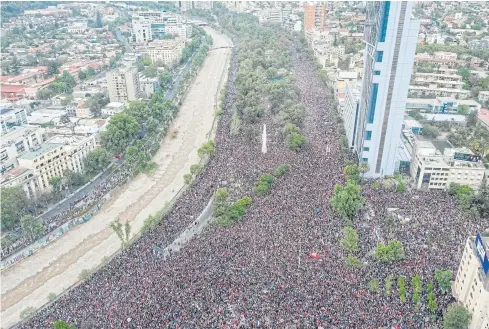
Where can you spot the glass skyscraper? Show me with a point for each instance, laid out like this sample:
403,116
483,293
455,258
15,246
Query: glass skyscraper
390,37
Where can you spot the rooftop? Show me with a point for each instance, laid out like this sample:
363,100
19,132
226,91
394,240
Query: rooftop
43,149
14,173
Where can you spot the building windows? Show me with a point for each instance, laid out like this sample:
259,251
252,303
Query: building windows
364,159
384,20
368,135
366,149
379,55
376,72
373,102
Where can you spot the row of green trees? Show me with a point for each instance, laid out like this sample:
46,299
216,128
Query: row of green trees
263,83
262,186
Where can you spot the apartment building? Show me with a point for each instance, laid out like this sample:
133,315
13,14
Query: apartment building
167,51
58,154
434,91
314,17
12,117
25,178
16,142
390,38
436,79
471,285
123,84
435,165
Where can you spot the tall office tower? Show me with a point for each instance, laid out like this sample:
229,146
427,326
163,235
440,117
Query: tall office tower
314,17
390,37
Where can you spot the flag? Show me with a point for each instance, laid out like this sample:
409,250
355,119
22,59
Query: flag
314,255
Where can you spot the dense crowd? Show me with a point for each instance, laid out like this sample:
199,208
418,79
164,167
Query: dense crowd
76,209
259,273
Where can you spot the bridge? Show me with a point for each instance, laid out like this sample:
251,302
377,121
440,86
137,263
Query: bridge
223,47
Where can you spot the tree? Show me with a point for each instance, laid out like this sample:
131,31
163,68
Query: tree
121,131
373,285
96,102
82,75
62,325
56,184
45,93
14,66
165,79
123,232
444,279
13,206
51,297
208,148
31,226
296,141
96,160
353,262
347,200
196,169
388,283
472,119
352,172
27,313
137,157
401,288
431,131
431,297
364,167
53,68
150,71
456,316
187,178
350,239
391,252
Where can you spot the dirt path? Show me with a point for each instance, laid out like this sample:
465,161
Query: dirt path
57,267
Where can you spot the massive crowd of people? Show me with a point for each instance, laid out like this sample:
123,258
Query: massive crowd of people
259,273
75,210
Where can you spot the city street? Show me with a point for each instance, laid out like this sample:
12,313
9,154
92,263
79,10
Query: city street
57,267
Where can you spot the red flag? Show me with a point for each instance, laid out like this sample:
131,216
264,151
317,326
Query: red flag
314,255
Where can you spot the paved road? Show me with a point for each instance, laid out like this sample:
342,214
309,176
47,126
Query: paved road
57,266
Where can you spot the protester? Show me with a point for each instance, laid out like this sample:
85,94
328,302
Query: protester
259,272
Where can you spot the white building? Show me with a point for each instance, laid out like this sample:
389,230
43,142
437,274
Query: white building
436,167
471,285
147,86
388,61
434,91
167,51
16,142
123,84
12,117
142,30
113,108
58,154
78,28
350,111
22,177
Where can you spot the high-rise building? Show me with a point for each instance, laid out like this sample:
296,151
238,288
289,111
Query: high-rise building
471,285
314,17
390,38
123,84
